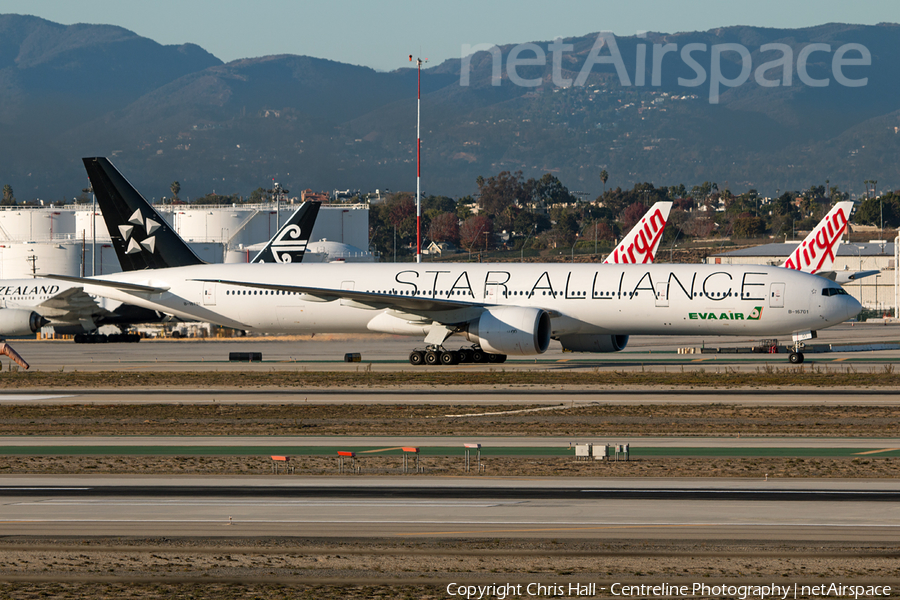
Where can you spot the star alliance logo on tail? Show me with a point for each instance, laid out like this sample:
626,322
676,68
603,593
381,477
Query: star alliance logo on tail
148,225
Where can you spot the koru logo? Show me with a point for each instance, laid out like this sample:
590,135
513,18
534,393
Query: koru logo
287,243
148,225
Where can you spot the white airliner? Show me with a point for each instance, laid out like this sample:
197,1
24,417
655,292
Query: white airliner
26,305
502,308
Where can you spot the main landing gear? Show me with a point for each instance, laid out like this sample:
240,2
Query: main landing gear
796,357
99,338
437,355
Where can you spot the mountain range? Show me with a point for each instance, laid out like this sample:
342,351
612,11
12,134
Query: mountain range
167,113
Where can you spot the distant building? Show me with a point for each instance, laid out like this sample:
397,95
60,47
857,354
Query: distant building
59,240
439,248
315,196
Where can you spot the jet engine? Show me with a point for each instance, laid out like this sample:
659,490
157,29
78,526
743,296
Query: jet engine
17,321
589,342
516,330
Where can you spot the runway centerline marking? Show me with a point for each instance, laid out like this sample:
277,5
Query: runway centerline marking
638,526
256,503
33,397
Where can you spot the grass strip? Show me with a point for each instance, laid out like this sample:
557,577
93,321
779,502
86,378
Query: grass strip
695,377
423,451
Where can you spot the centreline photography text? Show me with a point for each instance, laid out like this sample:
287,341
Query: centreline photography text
796,590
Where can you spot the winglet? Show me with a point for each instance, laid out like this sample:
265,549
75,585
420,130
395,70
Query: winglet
817,251
289,243
142,238
642,242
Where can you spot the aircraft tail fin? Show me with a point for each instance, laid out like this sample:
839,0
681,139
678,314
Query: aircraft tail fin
642,242
817,251
141,237
289,243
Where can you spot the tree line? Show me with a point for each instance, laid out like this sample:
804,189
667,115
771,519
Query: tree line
513,213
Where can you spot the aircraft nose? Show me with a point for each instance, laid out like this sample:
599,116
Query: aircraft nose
852,307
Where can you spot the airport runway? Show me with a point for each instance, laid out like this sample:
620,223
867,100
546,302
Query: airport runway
538,397
385,352
485,508
826,510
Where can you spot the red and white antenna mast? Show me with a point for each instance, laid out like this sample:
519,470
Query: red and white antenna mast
419,62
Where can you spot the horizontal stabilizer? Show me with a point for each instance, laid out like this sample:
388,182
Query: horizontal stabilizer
843,277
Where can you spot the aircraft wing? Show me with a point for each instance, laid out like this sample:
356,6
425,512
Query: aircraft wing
418,304
119,285
439,310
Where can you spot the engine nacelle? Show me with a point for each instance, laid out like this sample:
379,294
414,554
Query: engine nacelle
590,342
516,330
19,321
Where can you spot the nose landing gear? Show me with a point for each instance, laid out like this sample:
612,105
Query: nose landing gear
796,356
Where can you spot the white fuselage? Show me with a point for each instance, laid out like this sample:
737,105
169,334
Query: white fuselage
32,293
655,299
29,293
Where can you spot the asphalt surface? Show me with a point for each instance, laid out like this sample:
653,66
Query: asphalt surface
539,397
386,352
521,492
840,511
855,511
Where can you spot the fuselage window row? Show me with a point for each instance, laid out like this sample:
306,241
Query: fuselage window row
256,292
508,293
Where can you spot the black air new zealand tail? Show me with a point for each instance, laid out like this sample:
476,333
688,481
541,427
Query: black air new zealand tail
141,237
289,244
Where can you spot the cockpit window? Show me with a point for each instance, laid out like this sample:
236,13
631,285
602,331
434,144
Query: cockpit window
835,291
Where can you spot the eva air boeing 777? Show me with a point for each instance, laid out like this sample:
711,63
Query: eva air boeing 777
502,309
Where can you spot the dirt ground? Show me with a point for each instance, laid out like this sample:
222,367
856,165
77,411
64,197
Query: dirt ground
280,568
512,466
812,376
600,419
425,420
326,569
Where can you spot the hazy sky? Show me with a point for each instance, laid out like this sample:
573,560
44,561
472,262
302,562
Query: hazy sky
382,33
